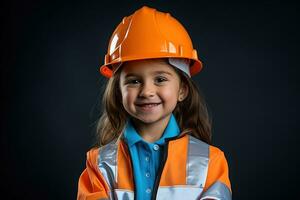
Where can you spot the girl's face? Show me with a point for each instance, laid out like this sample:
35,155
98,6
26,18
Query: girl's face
150,90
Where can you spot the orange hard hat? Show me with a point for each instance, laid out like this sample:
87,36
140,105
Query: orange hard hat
146,34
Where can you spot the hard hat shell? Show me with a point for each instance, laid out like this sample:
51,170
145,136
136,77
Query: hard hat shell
147,34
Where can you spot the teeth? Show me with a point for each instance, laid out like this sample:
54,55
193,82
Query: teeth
149,105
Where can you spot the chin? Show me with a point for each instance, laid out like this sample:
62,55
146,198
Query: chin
148,120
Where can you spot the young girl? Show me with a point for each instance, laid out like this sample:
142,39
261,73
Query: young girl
154,133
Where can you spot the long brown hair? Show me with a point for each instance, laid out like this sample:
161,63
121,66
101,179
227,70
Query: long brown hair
191,114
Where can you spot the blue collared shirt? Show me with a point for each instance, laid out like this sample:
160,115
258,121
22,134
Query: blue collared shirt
146,156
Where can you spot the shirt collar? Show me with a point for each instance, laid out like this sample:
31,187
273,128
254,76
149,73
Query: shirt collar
131,136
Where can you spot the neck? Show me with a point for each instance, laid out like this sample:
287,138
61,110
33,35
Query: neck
151,132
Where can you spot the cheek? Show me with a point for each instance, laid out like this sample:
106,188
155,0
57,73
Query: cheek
128,97
170,95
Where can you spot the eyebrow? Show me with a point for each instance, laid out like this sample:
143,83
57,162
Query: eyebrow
163,72
154,73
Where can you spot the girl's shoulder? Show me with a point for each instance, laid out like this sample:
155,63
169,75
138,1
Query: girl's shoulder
215,152
95,153
92,155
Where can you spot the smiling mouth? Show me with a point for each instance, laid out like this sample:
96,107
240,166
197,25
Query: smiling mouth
148,105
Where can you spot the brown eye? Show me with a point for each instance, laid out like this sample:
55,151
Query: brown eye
160,79
132,81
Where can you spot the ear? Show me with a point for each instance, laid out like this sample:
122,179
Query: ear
183,92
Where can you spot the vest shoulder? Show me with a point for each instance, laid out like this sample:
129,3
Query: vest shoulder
92,154
92,157
198,141
215,152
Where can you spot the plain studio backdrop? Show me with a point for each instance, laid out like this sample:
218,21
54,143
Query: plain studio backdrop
51,90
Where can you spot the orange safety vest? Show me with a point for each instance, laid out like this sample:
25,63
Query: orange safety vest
190,169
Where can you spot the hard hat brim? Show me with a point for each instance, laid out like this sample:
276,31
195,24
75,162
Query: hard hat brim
108,70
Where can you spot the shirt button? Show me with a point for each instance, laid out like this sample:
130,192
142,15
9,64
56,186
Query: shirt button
147,174
155,147
148,190
147,158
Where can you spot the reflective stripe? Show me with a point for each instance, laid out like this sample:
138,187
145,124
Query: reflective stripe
197,162
218,191
124,194
107,163
178,192
196,170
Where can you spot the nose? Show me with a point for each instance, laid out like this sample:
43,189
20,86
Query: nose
147,90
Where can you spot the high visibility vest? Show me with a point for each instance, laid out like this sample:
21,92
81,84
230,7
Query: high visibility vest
190,169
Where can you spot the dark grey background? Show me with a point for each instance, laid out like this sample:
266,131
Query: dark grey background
50,89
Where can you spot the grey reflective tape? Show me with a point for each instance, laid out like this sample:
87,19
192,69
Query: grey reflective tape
178,192
197,162
107,163
217,191
124,194
182,64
